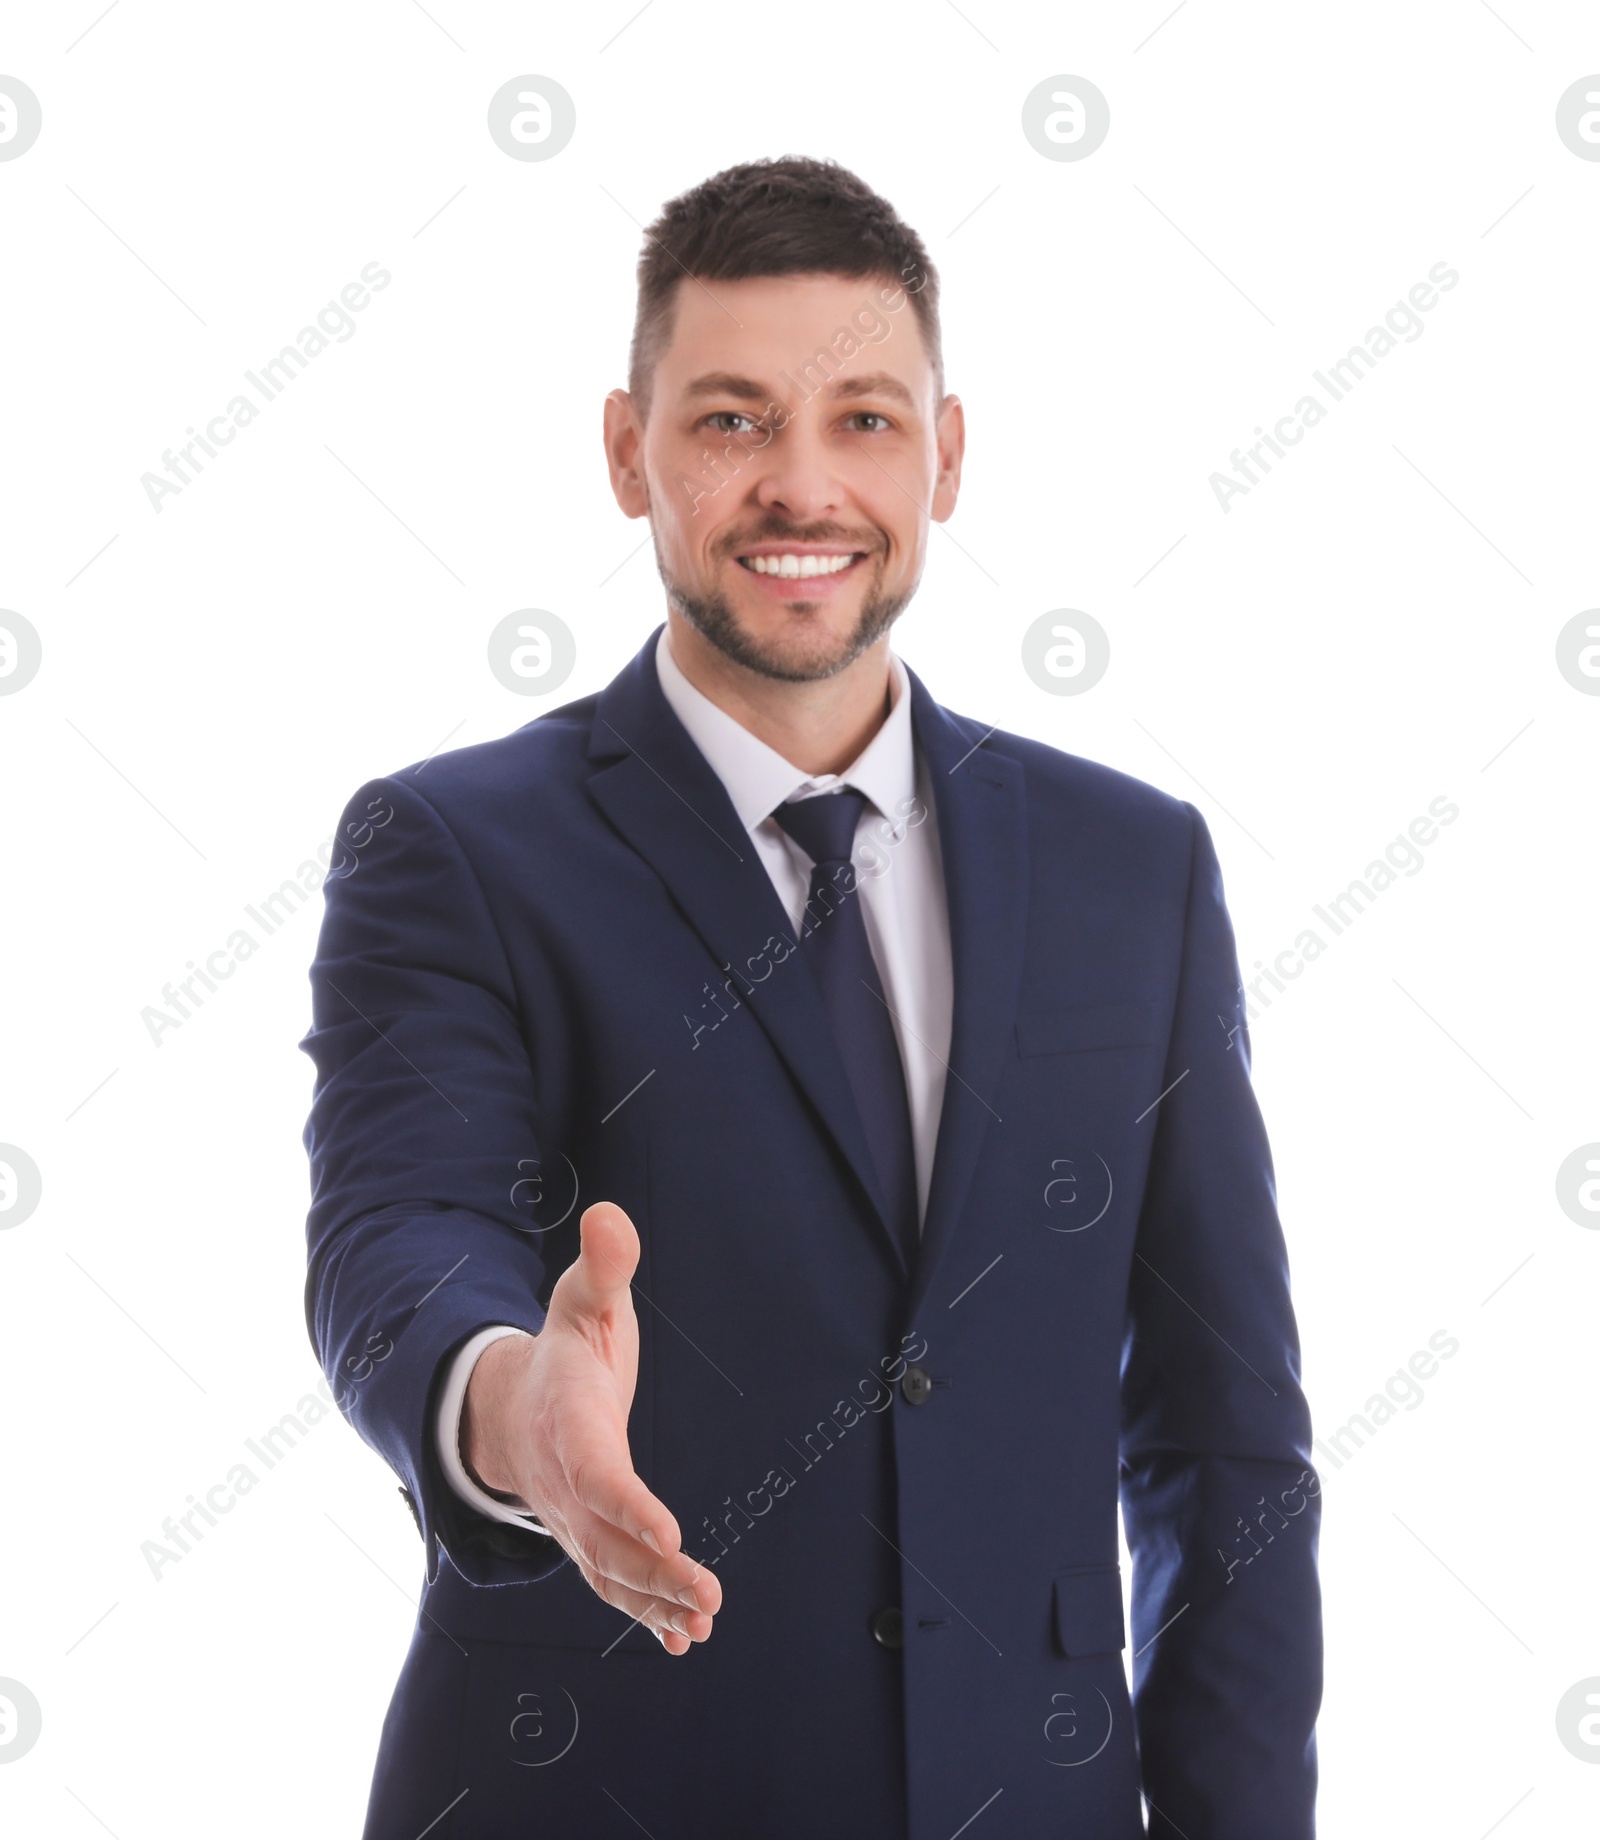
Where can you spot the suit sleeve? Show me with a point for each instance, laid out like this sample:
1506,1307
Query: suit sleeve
1220,1501
423,1108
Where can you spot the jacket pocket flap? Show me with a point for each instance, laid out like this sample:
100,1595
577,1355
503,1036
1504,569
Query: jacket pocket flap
1089,1025
559,1610
1088,1610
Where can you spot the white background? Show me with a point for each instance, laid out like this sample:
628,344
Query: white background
1370,628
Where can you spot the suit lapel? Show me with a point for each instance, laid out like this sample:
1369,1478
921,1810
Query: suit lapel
665,799
980,806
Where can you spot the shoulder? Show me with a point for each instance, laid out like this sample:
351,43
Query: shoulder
523,788
536,757
534,768
1063,787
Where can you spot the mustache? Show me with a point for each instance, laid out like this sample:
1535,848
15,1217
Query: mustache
854,540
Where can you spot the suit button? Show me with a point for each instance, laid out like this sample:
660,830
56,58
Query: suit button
917,1385
887,1628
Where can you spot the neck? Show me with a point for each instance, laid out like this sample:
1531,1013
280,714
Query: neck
822,726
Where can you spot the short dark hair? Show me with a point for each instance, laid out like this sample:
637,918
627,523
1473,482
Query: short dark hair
784,216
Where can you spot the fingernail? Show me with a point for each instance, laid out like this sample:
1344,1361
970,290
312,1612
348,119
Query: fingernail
679,1622
649,1539
689,1599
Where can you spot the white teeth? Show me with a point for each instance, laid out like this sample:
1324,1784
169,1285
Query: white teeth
798,565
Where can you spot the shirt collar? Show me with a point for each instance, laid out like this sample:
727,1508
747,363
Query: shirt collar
758,778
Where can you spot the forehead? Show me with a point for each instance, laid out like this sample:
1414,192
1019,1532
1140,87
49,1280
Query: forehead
769,324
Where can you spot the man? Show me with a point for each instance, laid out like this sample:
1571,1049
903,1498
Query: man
784,1152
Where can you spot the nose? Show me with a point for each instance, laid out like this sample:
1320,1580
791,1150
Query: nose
799,477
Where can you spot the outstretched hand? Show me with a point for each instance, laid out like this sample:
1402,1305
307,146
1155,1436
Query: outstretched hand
546,1418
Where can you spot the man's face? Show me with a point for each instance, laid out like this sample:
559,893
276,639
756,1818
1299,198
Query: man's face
793,456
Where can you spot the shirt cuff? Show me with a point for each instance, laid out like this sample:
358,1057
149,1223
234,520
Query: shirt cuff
447,1426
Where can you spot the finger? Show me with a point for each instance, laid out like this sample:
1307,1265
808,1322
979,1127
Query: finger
662,1615
605,1482
651,1613
624,1530
678,1580
671,1623
618,1528
608,1255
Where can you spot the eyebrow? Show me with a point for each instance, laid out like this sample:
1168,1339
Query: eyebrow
876,383
725,383
746,389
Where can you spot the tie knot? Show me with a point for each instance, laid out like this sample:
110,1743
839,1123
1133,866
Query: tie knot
824,825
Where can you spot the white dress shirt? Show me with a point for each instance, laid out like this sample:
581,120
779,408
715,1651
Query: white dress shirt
901,877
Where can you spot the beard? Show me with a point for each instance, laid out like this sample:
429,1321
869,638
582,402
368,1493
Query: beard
795,659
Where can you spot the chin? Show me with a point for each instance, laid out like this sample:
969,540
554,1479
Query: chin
797,642
804,642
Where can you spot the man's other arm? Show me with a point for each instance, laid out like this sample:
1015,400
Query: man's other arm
424,1104
1220,1500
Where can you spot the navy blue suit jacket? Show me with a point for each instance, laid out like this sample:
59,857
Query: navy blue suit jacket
552,970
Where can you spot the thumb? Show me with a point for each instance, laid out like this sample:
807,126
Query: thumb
598,1280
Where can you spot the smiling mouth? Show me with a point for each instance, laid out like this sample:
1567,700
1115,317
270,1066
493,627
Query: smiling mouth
796,567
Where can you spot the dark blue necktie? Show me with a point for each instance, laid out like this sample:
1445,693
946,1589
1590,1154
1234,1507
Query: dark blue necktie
834,940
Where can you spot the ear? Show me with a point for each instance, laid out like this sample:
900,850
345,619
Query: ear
950,435
624,444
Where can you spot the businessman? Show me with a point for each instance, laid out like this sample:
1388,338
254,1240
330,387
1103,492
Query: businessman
784,1164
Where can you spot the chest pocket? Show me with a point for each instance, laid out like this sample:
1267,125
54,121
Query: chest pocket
1088,1027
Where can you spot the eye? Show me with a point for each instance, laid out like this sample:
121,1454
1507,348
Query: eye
733,415
870,415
